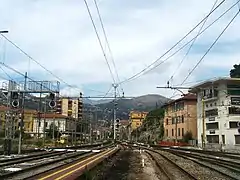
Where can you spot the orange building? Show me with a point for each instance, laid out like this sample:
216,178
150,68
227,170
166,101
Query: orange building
181,117
136,119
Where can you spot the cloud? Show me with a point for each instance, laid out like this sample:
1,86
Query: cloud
59,35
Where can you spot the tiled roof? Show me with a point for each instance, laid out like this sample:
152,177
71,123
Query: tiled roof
187,97
50,115
214,81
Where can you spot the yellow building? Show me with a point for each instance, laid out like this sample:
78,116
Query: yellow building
69,107
136,119
28,119
181,117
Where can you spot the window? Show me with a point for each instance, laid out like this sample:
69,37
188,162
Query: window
213,139
210,104
46,124
210,93
173,120
39,123
223,139
212,112
233,124
212,125
206,105
167,132
235,101
178,131
237,139
233,89
172,132
167,121
234,110
182,131
182,119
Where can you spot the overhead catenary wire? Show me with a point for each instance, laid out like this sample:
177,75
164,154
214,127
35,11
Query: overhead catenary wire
38,63
107,42
191,45
31,58
99,40
189,74
148,68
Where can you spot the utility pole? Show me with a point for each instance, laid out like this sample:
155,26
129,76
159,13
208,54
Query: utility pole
40,112
44,122
203,124
176,121
114,111
22,115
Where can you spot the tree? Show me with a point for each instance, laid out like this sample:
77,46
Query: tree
235,72
187,136
49,132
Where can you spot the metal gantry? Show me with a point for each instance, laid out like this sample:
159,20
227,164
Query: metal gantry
15,94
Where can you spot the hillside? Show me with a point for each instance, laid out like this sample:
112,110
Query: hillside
142,103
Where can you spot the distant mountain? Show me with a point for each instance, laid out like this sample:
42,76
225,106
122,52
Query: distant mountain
141,103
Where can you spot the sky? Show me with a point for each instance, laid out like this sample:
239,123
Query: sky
60,36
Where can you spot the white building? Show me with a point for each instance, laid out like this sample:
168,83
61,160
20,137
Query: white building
64,124
218,108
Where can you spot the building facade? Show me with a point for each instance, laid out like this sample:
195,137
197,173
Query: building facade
27,121
70,107
136,118
180,117
218,111
64,124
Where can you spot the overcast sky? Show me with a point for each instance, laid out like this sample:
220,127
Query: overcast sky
59,35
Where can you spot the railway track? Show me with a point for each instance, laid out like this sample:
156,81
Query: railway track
25,168
235,156
17,160
169,168
229,169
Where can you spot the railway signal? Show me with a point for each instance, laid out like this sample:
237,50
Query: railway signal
52,102
15,99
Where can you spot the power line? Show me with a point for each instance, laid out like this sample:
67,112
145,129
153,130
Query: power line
199,81
189,49
136,75
149,66
210,47
99,40
31,58
107,42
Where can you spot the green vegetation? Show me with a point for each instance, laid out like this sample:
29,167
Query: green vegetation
235,72
49,132
152,129
187,136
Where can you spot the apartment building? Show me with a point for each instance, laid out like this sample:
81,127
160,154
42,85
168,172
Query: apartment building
64,124
180,117
136,118
70,107
218,112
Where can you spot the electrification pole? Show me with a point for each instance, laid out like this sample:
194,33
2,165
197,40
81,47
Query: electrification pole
203,123
114,111
22,115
